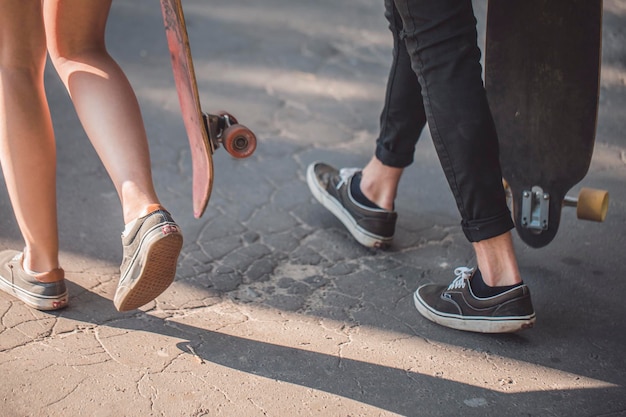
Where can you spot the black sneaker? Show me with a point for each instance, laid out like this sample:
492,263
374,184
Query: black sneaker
151,252
44,291
371,227
457,307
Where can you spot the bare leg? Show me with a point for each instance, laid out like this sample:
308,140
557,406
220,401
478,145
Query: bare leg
103,97
27,148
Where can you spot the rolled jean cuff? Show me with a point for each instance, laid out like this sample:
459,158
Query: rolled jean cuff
393,160
478,230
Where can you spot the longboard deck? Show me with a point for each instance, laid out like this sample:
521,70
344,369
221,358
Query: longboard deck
542,78
185,79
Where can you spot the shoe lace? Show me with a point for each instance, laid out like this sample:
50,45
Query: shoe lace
345,174
459,281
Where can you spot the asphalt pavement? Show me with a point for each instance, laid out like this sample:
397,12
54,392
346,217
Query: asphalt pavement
275,310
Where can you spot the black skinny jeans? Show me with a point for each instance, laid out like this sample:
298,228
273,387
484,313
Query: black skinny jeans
436,76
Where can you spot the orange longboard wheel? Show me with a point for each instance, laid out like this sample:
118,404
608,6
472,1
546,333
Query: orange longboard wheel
239,141
507,192
592,204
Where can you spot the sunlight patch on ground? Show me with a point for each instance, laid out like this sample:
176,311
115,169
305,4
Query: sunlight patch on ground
371,345
275,82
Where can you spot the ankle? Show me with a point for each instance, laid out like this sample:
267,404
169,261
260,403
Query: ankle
379,183
37,264
497,262
151,208
378,195
50,275
54,275
134,213
481,289
357,193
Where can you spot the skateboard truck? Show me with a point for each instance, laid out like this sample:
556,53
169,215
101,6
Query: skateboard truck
224,129
535,209
591,204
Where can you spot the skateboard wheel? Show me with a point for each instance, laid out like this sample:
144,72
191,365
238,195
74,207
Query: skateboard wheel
592,204
505,185
507,193
239,141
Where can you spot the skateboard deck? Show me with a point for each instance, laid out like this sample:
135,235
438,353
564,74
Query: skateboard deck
205,132
542,72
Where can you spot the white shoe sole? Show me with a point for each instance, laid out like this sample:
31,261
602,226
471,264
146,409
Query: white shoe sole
479,325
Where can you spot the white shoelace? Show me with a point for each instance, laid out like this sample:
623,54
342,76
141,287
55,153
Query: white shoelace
459,281
345,174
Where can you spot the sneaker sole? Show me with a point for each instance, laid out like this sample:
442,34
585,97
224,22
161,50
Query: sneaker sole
479,325
361,235
36,301
157,270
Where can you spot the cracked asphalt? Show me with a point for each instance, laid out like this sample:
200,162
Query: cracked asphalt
275,310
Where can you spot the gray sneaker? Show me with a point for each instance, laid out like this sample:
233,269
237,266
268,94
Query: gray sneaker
457,307
151,252
371,227
45,291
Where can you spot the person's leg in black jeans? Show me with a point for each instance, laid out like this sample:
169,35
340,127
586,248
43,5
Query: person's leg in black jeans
436,76
401,122
438,41
363,199
440,80
403,117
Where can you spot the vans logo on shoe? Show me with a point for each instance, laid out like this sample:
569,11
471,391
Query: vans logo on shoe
169,228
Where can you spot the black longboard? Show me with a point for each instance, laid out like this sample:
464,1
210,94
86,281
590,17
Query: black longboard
542,72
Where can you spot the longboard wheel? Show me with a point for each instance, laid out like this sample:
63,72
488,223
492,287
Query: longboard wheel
592,204
239,141
508,193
